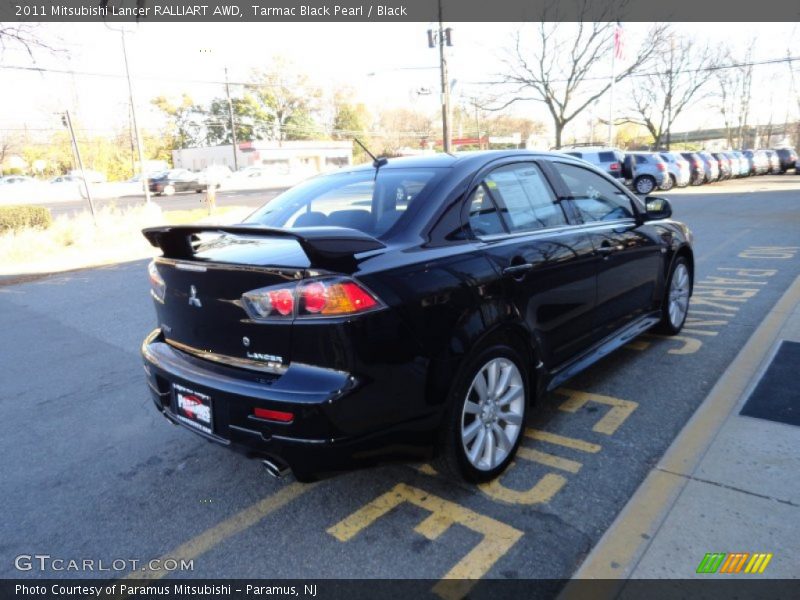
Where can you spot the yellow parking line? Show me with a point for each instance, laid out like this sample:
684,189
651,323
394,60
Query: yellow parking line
229,527
549,460
562,440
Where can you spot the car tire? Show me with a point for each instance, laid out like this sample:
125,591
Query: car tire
479,435
668,184
675,306
644,184
169,190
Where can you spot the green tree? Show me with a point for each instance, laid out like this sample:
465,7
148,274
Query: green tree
251,120
184,118
290,100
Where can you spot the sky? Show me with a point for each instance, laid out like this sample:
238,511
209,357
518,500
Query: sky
386,64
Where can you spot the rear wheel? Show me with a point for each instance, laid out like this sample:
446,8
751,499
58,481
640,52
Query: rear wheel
676,299
484,424
668,184
644,184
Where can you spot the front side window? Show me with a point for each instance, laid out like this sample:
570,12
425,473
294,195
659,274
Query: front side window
484,218
595,198
525,199
357,200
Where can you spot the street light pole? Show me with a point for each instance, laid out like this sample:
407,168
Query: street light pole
79,160
142,169
233,126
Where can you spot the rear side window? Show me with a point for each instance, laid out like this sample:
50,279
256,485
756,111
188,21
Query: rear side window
575,154
596,198
607,157
524,198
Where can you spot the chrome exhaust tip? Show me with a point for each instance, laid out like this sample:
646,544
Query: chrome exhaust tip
275,468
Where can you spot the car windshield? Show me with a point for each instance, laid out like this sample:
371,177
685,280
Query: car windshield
356,199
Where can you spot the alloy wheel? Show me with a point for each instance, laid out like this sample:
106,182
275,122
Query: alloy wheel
679,295
645,185
491,420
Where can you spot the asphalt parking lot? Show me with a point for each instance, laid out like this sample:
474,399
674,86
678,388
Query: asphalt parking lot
91,471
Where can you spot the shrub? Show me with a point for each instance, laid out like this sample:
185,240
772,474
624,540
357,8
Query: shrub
14,218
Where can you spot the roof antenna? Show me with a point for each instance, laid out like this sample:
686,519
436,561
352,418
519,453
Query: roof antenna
376,162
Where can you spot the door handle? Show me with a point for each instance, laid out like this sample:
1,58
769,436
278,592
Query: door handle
607,249
517,270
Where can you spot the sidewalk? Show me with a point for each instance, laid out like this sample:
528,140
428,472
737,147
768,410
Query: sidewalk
727,484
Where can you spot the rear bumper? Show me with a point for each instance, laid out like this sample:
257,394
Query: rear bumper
329,432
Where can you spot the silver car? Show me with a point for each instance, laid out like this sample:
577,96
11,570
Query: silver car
645,171
678,169
607,159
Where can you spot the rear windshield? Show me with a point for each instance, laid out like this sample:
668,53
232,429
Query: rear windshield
356,199
607,157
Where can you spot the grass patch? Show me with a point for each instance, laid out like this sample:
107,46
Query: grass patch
74,242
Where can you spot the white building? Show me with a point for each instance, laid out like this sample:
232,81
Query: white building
291,158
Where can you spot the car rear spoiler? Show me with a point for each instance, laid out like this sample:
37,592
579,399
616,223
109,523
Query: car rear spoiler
331,247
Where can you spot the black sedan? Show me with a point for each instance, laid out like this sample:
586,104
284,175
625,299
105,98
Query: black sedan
176,180
407,306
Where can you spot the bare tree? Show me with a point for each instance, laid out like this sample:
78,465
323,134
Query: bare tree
558,64
25,35
734,94
683,69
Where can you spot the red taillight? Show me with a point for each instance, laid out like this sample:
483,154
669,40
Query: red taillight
696,164
615,166
323,297
282,301
314,297
661,166
273,415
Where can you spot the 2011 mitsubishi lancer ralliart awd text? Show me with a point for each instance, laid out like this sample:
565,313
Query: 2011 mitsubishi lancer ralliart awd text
406,309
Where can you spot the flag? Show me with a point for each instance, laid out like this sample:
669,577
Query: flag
619,45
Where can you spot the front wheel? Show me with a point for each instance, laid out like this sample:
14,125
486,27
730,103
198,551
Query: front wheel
169,190
644,185
676,299
483,427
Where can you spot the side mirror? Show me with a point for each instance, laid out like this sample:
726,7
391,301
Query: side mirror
658,208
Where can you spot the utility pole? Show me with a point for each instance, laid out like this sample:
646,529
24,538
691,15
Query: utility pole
68,122
233,126
142,169
443,38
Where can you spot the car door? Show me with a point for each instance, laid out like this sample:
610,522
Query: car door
627,250
544,259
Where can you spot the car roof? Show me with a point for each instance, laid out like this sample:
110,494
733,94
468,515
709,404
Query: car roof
473,159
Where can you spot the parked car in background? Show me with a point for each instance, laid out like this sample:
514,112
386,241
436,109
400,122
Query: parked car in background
711,166
725,166
645,171
758,161
743,165
176,180
697,169
91,176
322,334
607,159
677,168
66,179
16,180
788,158
214,173
774,162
